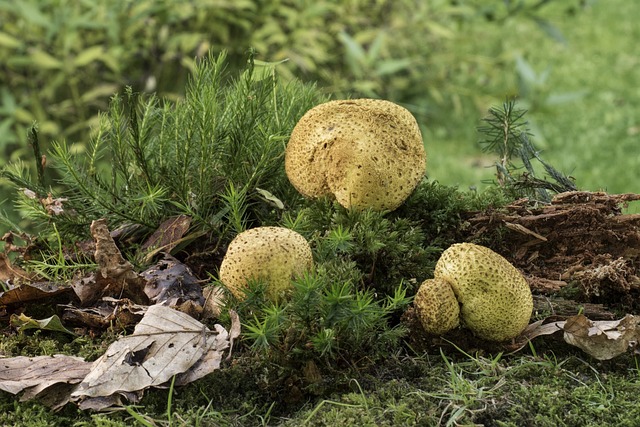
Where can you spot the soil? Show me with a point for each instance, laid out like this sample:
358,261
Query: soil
580,248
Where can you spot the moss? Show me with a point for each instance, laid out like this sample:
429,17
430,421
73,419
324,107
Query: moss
441,210
41,342
418,390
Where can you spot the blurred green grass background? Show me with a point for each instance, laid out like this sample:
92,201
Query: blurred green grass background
572,64
582,94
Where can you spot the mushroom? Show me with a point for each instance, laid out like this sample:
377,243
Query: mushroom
273,254
437,306
365,152
492,297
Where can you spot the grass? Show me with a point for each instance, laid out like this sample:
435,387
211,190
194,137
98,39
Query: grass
584,115
420,390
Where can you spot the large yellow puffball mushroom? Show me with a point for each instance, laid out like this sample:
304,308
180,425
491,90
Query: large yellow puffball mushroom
492,297
367,153
273,254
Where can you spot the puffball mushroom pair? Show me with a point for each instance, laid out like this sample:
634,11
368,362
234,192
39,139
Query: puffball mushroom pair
477,287
368,153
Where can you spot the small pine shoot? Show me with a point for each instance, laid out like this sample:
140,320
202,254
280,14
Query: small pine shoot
506,135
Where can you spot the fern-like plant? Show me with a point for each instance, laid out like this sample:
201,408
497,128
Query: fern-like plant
212,155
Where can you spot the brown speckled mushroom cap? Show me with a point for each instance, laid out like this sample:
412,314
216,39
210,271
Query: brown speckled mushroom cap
437,307
273,254
366,152
495,299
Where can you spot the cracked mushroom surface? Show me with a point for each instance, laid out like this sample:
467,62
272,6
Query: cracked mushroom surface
494,299
437,307
367,153
273,254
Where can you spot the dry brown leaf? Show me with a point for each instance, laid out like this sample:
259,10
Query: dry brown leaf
603,340
172,283
234,331
32,292
43,377
165,343
53,206
209,362
540,328
116,277
55,396
532,331
212,359
213,303
113,401
120,313
8,271
168,235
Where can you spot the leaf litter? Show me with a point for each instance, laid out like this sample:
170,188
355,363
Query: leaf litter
165,343
579,240
168,341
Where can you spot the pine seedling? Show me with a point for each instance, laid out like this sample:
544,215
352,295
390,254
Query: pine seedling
235,205
340,240
265,331
399,301
324,342
307,296
506,135
56,264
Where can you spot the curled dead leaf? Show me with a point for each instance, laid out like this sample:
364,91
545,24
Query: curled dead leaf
603,340
168,236
214,302
43,377
10,272
165,343
52,205
115,278
32,292
23,322
170,282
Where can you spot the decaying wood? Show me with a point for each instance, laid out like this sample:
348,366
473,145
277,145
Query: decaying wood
561,308
581,241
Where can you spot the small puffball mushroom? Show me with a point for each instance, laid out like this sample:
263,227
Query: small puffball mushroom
273,254
438,307
366,152
495,301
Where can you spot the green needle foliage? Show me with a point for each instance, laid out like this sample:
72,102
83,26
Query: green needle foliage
204,156
506,135
327,319
385,249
